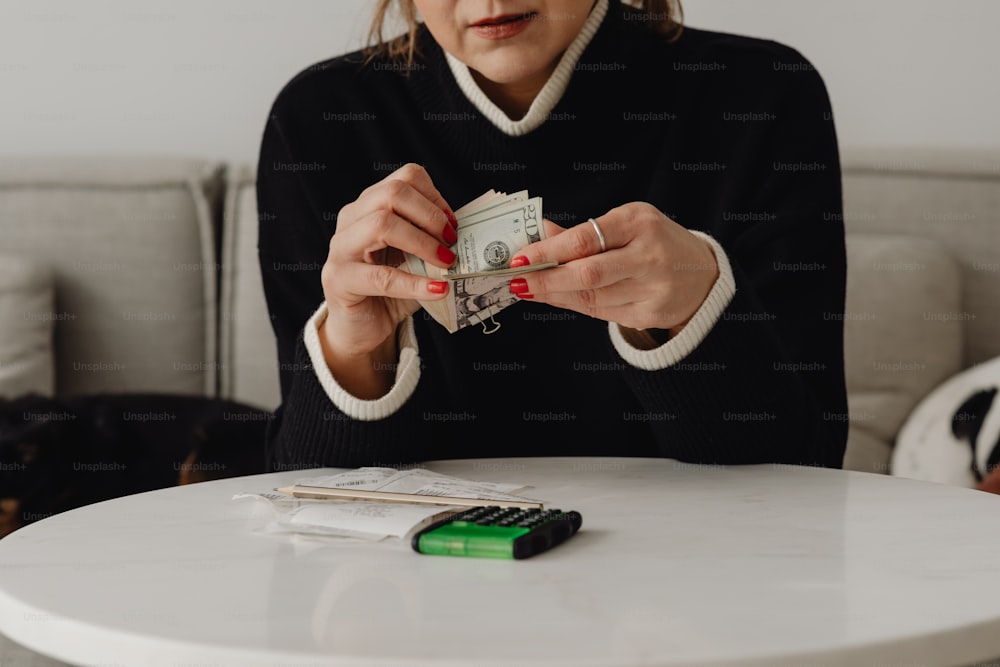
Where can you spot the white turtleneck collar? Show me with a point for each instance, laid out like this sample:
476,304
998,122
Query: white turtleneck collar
547,97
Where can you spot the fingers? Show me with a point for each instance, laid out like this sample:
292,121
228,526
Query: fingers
405,212
417,178
591,274
364,280
587,278
382,229
612,293
632,277
409,193
551,228
627,302
570,244
583,275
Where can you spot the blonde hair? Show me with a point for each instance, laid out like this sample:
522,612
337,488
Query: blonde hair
663,16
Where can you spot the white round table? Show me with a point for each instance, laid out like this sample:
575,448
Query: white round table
675,564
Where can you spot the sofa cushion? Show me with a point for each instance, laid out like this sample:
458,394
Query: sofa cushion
903,328
27,314
130,243
247,347
950,196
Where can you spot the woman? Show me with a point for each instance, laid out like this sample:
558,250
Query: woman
696,316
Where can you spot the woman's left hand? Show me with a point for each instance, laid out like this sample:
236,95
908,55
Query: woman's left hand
654,273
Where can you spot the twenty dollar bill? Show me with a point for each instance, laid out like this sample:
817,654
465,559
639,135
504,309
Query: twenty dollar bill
492,229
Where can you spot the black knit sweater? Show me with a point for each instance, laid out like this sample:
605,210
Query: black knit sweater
728,135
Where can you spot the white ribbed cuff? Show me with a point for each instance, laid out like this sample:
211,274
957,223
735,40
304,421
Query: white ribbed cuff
407,373
690,337
547,97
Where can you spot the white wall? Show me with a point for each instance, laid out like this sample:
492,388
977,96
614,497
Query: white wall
188,77
196,77
899,72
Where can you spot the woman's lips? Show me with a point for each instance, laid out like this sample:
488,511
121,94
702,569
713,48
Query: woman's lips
502,27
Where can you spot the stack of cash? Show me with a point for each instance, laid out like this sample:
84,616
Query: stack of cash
492,229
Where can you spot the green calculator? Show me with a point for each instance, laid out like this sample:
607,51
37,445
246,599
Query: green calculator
498,532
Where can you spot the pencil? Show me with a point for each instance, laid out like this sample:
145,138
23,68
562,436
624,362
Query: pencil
300,491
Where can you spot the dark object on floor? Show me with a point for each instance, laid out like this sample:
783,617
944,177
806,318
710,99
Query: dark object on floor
57,454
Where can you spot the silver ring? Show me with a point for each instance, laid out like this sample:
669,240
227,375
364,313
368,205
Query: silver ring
600,234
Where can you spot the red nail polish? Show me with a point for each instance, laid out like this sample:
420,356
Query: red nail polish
525,296
437,287
519,261
519,286
449,235
452,220
445,255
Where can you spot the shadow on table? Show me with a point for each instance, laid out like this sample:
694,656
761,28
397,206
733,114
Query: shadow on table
13,654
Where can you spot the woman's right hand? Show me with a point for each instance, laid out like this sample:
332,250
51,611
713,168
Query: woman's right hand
366,295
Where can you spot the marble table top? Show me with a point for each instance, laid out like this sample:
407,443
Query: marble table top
676,564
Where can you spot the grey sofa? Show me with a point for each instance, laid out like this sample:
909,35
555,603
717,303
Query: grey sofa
128,274
141,274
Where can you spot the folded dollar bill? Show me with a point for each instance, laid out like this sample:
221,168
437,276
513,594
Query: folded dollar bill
492,229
